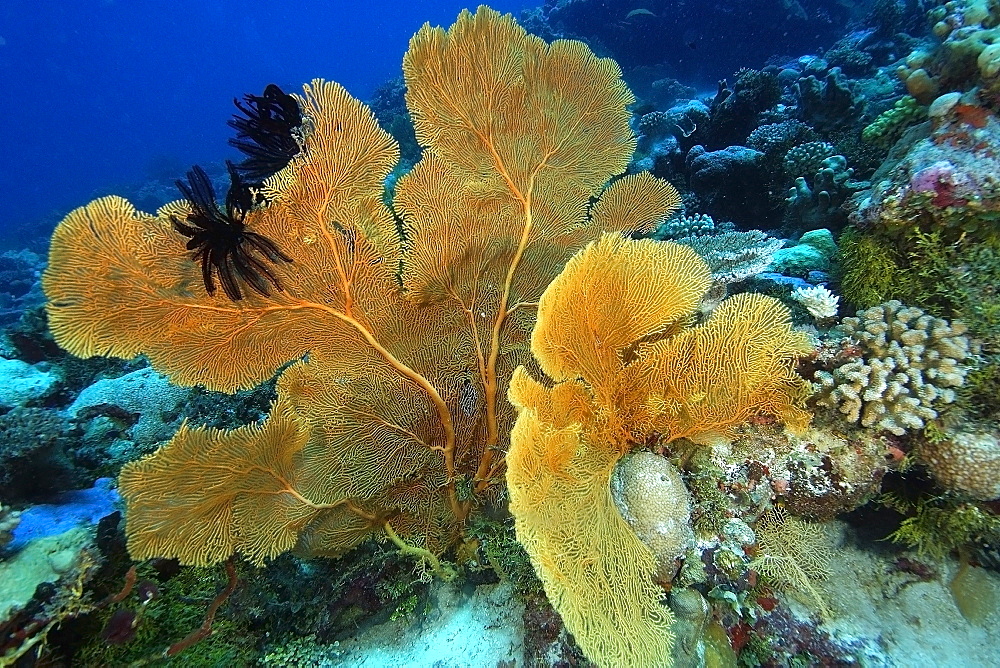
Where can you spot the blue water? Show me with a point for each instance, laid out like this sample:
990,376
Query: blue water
102,94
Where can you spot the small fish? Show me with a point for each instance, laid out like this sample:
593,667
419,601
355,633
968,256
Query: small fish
639,12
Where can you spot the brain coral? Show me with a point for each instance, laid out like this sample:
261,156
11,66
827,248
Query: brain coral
909,364
966,461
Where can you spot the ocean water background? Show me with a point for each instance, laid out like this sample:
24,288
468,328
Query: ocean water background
105,94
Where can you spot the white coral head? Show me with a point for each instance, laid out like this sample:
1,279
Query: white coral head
819,301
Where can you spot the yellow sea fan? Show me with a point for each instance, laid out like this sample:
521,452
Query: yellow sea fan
236,494
794,554
596,572
614,335
610,295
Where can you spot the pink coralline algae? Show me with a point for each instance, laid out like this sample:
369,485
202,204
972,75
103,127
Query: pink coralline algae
949,186
943,180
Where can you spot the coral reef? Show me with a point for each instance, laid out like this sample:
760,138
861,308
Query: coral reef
498,224
37,456
949,181
688,226
907,368
729,181
412,380
811,257
25,384
870,269
733,112
9,519
20,272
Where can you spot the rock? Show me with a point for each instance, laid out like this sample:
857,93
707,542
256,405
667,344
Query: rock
799,261
145,394
23,382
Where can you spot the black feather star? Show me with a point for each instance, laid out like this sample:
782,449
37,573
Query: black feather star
268,134
220,238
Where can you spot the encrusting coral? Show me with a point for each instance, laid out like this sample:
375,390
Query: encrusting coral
625,367
908,367
391,416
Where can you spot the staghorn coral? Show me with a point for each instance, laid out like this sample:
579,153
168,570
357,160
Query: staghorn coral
392,414
909,365
612,337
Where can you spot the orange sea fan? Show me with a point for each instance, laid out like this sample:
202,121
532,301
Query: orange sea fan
397,350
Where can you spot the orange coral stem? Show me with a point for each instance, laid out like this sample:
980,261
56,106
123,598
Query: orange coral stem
205,629
444,414
482,479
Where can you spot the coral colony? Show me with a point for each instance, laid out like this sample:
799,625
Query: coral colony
641,373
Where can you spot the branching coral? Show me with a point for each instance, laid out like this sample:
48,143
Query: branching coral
818,300
890,125
392,414
909,365
612,336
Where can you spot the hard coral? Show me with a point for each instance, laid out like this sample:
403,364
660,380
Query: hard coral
651,496
889,126
828,104
909,366
966,461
